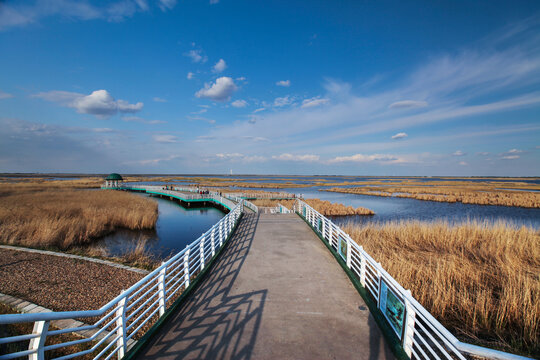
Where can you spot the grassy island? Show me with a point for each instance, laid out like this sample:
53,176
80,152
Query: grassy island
517,194
324,207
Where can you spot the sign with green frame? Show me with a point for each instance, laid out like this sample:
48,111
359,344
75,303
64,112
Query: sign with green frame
392,307
342,247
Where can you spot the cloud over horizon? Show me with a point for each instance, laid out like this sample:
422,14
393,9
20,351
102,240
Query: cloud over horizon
99,103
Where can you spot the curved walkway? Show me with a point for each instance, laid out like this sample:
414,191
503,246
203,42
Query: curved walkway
275,293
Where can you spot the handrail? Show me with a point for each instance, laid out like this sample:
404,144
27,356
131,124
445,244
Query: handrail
172,277
421,335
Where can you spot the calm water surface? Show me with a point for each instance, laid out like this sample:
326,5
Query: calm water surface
176,227
392,208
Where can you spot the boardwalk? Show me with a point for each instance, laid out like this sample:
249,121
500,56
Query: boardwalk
275,293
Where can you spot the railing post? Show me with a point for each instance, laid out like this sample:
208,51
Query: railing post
201,251
213,242
121,324
330,235
220,234
410,318
186,267
324,227
37,344
349,252
161,291
362,267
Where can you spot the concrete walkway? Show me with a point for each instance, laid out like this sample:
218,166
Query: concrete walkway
275,293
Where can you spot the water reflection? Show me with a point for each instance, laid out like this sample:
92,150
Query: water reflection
392,208
176,227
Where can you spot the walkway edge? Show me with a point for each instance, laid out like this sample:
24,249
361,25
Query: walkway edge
143,341
78,257
393,342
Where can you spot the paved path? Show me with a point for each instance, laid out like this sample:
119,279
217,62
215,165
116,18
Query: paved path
275,293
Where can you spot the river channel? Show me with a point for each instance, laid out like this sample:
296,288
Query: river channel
176,227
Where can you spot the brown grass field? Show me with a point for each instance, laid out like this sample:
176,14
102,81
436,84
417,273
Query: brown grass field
480,193
482,281
61,214
324,207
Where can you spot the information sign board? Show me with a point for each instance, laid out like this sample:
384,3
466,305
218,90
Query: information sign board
342,250
392,307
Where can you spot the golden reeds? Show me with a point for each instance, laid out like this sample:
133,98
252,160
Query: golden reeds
449,191
53,214
481,280
322,206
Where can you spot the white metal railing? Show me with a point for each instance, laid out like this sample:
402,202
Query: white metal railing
282,209
227,200
421,335
132,312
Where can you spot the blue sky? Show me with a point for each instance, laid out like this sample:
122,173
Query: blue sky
278,87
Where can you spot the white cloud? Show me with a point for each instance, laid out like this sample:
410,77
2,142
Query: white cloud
164,138
221,90
241,78
212,2
258,110
284,83
158,99
313,102
25,14
200,118
190,75
141,120
400,135
99,103
405,104
4,95
256,138
482,153
459,153
361,158
463,163
196,56
291,157
158,160
283,101
201,111
165,5
511,154
229,156
239,103
219,66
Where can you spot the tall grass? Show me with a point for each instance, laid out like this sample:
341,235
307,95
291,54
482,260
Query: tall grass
481,280
322,206
56,215
466,193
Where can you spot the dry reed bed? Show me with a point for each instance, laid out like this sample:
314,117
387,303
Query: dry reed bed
51,214
466,193
322,206
480,280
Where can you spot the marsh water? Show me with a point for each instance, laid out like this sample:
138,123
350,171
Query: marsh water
178,226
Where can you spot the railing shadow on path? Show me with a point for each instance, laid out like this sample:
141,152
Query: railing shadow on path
214,322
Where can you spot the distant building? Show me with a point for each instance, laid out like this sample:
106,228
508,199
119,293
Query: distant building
113,181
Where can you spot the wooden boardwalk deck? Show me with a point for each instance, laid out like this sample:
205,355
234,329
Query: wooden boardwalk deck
276,292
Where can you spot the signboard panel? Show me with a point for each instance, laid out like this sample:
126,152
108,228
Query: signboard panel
342,250
392,308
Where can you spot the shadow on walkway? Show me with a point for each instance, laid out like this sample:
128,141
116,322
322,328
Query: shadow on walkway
213,323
